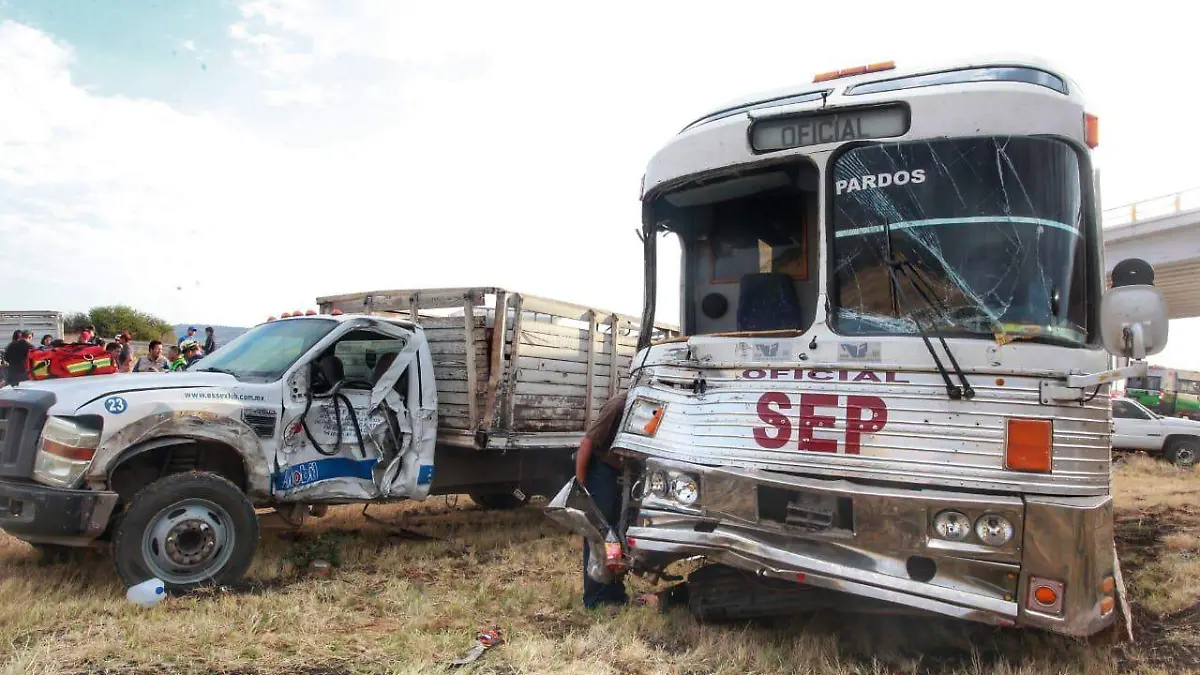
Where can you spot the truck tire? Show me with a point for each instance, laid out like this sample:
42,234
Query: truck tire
1183,452
186,529
499,501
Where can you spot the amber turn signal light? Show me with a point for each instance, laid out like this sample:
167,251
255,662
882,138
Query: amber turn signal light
1106,605
1091,129
1027,445
1045,595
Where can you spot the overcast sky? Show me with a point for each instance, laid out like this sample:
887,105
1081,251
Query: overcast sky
218,161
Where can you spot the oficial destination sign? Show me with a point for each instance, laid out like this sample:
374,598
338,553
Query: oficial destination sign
849,125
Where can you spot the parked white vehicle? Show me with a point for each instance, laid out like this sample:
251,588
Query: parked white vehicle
1136,427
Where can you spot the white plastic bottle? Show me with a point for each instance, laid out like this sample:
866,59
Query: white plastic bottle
147,594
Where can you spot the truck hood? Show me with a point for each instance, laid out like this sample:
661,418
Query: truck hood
76,392
1180,424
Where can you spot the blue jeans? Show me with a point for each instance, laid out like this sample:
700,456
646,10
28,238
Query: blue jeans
603,484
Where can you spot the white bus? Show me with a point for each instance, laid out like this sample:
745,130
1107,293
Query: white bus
891,301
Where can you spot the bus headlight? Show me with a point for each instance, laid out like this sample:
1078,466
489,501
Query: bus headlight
685,489
994,530
645,415
65,451
952,526
657,483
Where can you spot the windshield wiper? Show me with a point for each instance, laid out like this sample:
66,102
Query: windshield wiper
897,267
211,369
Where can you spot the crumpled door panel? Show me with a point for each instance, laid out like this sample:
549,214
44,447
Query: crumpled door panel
574,509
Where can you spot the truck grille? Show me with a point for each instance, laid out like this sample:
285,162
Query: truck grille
22,414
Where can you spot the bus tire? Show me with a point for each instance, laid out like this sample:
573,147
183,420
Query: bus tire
1183,452
187,529
499,501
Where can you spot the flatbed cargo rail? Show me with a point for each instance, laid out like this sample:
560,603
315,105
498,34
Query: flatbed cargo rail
513,370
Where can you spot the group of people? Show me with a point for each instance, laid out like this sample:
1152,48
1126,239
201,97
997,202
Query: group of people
120,350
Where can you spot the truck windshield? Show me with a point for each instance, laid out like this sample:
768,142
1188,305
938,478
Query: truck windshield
993,225
266,351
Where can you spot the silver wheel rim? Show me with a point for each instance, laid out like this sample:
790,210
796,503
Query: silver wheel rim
1185,456
188,541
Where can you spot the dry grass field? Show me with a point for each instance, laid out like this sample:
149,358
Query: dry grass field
398,605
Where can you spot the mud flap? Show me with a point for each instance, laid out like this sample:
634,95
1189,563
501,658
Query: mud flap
574,509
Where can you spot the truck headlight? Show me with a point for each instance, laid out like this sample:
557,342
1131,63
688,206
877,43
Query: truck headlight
994,530
65,451
645,415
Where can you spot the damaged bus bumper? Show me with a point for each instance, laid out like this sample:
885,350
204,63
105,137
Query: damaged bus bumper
1055,571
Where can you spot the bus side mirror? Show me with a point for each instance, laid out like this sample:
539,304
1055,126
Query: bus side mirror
1133,313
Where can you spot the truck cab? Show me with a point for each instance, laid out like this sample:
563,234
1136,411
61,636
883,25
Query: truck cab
170,467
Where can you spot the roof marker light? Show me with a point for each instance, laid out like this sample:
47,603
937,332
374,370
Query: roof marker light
857,70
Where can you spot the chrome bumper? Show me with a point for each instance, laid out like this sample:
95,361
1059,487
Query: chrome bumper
876,542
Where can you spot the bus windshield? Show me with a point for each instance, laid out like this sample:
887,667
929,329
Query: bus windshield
265,352
991,229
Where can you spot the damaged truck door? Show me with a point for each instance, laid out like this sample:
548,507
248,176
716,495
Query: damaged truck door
360,423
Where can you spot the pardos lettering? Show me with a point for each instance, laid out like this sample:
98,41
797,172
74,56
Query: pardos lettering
879,180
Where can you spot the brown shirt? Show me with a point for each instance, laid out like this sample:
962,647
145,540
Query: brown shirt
604,430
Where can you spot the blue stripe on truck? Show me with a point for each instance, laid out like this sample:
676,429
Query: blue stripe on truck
323,469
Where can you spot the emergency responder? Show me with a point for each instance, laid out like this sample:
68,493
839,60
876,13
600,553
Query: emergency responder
191,351
599,470
175,358
16,355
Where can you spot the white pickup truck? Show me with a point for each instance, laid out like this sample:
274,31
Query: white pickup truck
1136,427
378,398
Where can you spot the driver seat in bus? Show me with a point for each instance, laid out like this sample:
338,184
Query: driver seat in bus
768,301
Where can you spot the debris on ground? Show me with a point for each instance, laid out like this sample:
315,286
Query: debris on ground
484,640
147,594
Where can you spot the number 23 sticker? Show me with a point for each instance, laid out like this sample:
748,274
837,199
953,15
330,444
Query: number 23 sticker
115,405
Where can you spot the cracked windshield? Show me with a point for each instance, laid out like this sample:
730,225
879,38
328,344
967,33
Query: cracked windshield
973,236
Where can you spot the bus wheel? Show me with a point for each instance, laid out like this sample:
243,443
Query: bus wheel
1183,452
186,529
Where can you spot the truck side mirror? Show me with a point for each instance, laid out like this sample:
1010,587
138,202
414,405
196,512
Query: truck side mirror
1133,313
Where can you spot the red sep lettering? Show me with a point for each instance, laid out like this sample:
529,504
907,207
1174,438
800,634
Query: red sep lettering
810,419
774,418
863,414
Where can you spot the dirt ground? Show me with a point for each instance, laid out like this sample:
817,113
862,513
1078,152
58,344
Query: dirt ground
394,604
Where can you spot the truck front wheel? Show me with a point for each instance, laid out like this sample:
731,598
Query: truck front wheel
1182,452
186,529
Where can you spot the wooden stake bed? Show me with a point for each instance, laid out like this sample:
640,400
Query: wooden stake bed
512,370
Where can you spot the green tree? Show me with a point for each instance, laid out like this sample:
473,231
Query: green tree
75,322
112,319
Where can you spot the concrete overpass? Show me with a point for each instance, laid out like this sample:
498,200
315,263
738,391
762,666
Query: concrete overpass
1165,232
